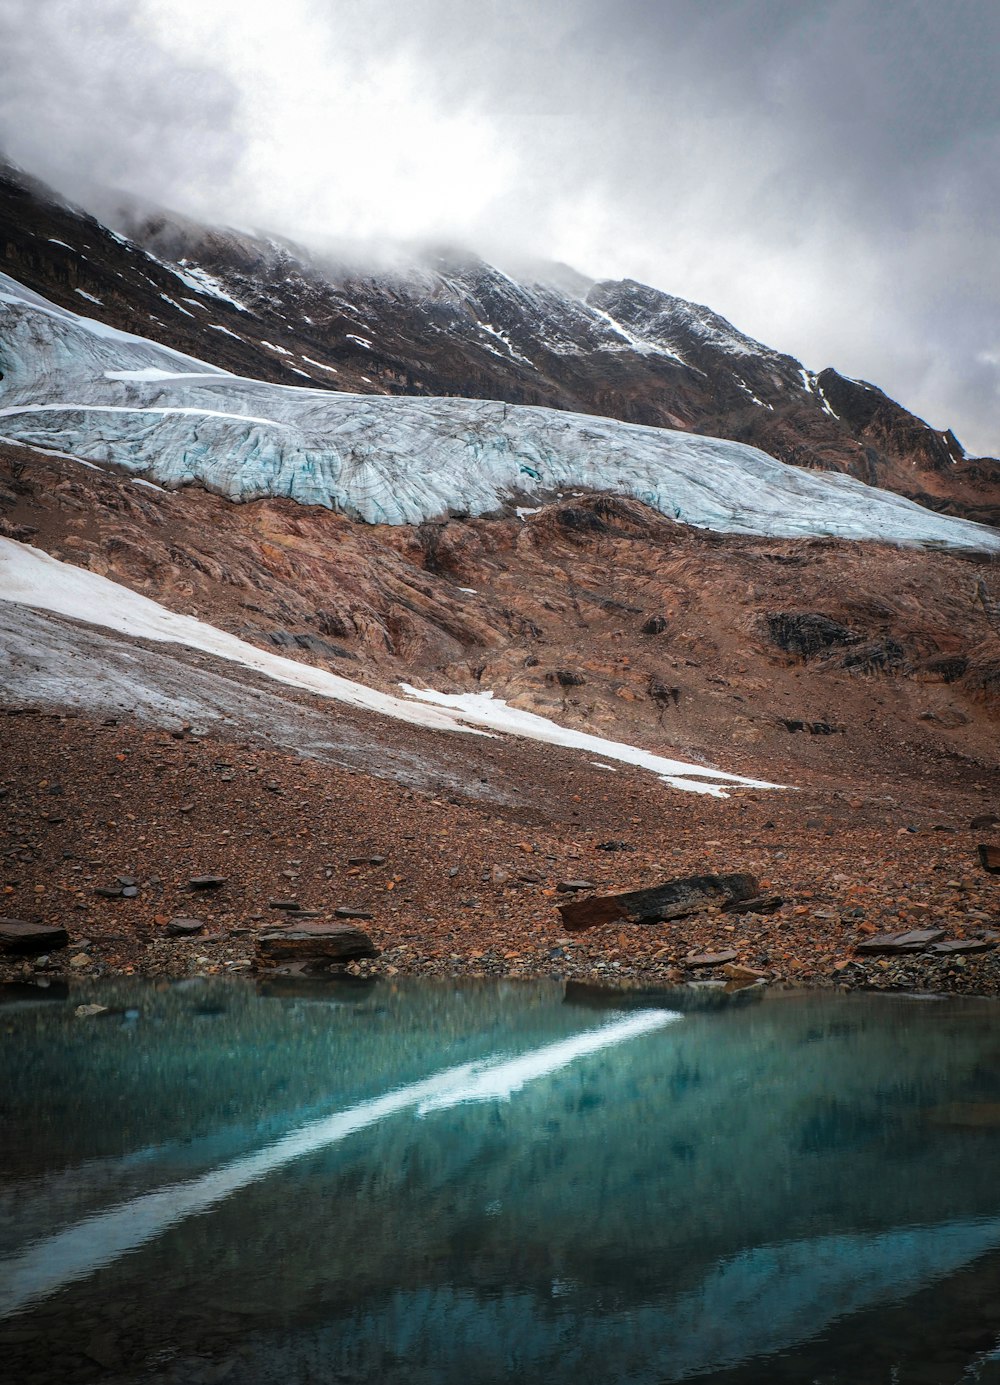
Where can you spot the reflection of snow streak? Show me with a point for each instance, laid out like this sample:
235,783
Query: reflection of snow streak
99,1240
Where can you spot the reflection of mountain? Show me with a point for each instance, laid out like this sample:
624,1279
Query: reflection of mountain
760,1302
719,1188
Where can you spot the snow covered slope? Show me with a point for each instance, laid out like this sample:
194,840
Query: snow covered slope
29,577
80,387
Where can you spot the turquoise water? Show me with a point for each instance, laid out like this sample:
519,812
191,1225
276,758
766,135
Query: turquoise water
498,1182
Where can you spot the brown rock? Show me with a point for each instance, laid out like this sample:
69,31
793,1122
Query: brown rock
711,959
184,928
954,947
989,857
736,971
761,904
331,941
30,938
916,940
673,899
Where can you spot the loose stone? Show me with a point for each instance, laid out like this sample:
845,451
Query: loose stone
29,939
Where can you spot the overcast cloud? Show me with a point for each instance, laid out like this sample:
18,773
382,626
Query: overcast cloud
824,174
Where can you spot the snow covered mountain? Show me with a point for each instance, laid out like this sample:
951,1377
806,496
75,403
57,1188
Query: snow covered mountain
74,385
443,322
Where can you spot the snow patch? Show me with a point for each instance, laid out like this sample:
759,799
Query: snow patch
174,304
202,282
32,578
483,709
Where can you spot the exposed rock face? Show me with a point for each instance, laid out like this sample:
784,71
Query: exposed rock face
513,600
451,324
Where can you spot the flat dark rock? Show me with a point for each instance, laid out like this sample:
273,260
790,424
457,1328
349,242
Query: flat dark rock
711,959
984,820
343,913
571,886
109,891
290,906
954,947
31,938
184,928
207,882
989,857
334,941
671,900
916,940
760,904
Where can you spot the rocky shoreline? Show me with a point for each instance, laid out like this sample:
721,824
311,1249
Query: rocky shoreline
106,825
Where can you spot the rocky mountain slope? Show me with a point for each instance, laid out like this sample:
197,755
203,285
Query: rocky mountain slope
447,323
862,676
862,671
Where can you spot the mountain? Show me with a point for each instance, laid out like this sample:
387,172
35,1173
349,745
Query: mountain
446,323
508,603
80,387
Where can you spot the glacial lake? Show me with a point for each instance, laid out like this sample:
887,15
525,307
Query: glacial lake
461,1184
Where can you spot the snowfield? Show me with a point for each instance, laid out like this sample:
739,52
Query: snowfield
74,385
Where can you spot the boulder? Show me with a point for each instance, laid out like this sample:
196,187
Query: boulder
712,959
671,900
332,942
956,947
915,940
184,928
989,857
30,939
760,904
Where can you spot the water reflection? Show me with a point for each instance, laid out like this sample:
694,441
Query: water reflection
484,1183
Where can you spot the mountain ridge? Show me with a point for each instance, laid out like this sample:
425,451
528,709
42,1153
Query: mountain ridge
458,326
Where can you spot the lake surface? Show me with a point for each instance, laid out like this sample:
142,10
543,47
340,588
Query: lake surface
438,1183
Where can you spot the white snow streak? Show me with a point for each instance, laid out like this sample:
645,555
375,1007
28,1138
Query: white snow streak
33,578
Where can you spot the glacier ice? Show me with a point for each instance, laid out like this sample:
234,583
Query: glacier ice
75,385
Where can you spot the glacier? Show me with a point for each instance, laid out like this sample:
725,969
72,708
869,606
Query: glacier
74,385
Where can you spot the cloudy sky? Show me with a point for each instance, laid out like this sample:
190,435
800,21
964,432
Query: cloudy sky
823,172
